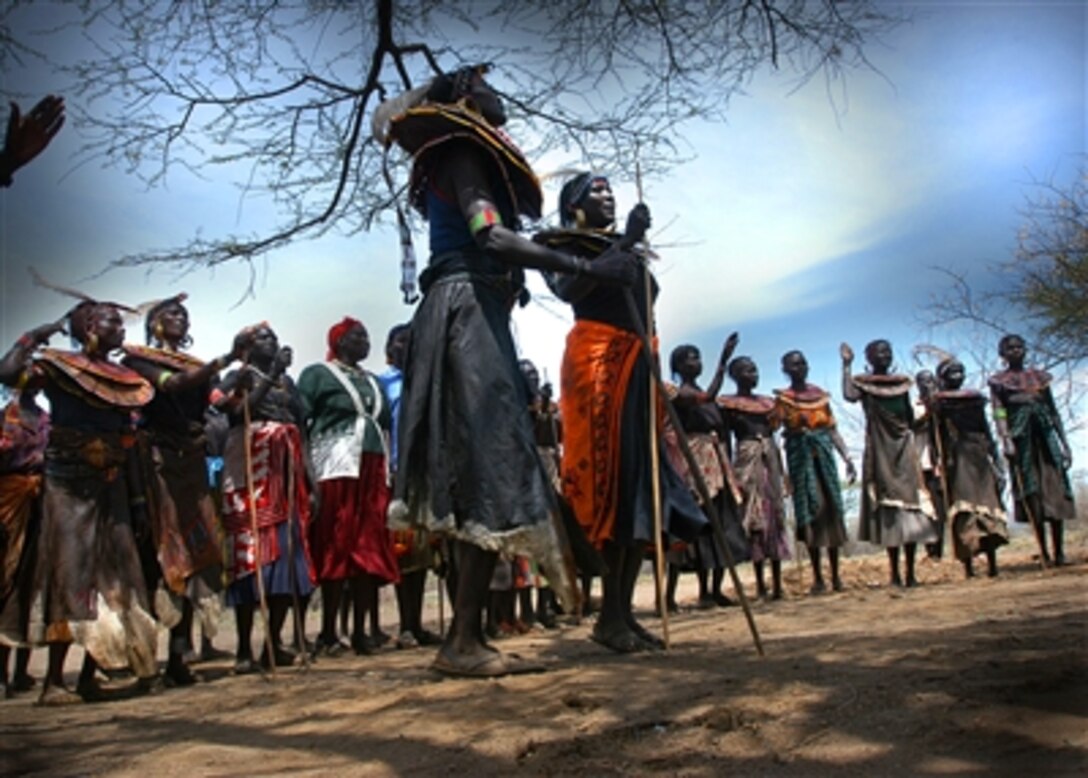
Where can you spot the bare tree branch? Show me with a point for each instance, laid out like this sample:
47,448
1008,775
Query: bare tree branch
271,96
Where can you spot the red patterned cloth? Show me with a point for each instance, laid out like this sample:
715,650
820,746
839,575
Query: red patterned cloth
349,536
279,483
596,372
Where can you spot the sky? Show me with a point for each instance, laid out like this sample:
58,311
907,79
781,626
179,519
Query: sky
801,222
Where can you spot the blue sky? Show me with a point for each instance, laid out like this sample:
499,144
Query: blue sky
803,221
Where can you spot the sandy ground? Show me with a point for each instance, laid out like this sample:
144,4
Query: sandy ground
979,677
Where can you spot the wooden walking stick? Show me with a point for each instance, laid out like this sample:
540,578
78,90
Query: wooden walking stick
629,240
1036,528
247,439
942,478
292,571
441,604
655,455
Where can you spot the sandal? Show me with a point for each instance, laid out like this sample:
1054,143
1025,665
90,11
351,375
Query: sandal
53,696
621,640
487,664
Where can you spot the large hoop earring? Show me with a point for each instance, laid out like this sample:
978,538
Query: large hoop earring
579,218
91,345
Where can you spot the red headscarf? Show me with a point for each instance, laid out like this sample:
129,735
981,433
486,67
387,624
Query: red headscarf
338,331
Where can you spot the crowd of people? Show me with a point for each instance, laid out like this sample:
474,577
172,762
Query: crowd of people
159,488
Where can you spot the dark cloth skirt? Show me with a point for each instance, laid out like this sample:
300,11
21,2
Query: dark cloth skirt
816,498
758,469
468,464
187,529
978,517
895,506
349,536
708,548
277,575
682,518
1051,499
89,584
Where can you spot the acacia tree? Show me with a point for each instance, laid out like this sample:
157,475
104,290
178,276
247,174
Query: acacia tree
1051,267
275,96
1040,292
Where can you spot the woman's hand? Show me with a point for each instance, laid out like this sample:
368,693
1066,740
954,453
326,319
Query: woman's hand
728,348
638,222
846,353
28,135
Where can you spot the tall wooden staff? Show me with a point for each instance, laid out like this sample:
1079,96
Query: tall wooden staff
292,570
1036,529
630,240
247,439
655,456
441,603
942,478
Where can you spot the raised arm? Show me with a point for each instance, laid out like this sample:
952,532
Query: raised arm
850,391
14,362
730,345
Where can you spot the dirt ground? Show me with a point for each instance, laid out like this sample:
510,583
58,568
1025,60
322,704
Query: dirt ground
979,677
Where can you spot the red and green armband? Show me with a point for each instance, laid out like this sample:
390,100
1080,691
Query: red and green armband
488,217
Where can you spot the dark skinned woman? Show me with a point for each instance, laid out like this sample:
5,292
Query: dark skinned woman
279,471
704,425
607,469
23,439
468,466
896,510
757,462
89,584
811,441
970,466
1033,440
185,522
347,419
